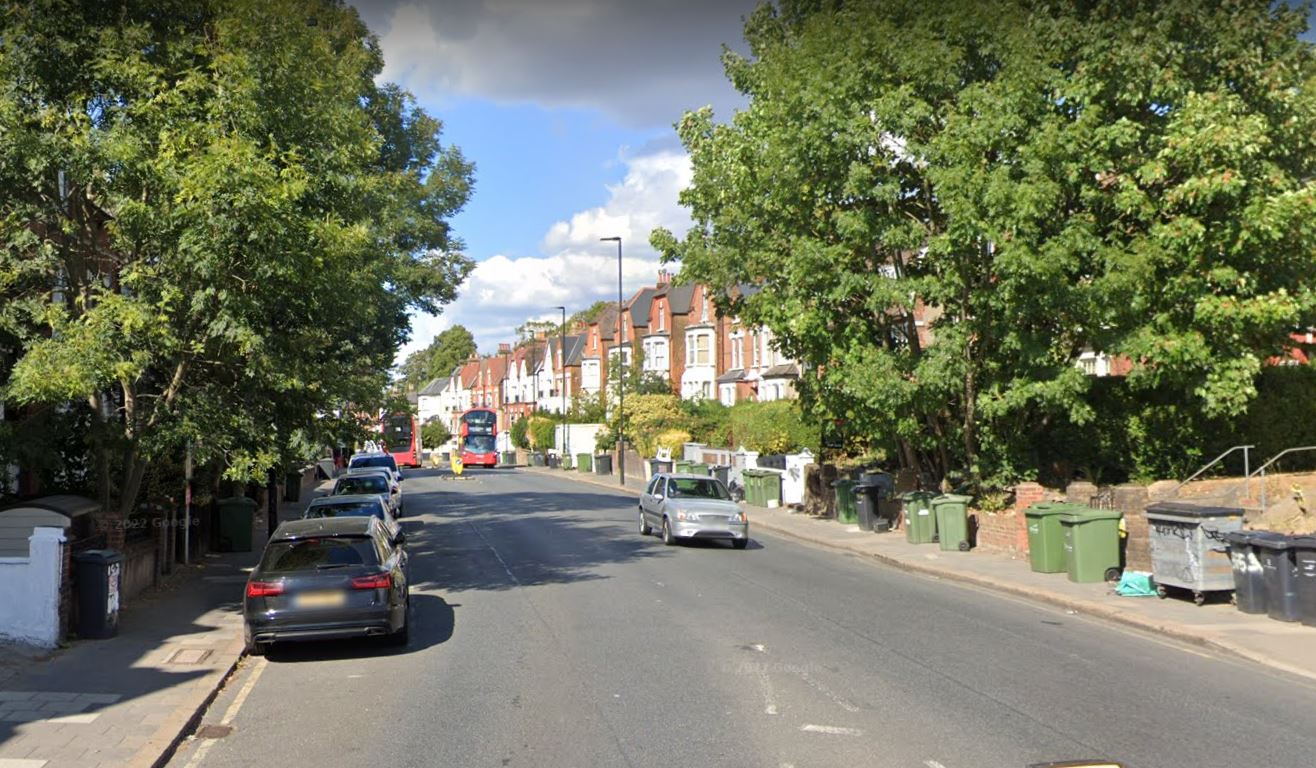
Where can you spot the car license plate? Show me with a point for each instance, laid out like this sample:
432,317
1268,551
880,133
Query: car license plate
330,599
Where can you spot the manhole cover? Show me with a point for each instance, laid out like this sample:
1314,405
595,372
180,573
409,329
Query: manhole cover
188,656
213,731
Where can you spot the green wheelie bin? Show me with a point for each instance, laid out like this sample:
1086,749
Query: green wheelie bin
585,462
952,513
1046,540
750,485
920,522
699,468
236,518
682,467
1092,543
845,502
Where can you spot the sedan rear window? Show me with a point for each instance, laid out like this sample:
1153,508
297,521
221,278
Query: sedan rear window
698,489
355,509
370,484
313,554
374,461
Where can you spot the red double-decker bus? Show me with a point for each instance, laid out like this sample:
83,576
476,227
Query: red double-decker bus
479,437
401,439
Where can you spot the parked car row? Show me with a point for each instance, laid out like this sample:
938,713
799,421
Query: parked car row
340,571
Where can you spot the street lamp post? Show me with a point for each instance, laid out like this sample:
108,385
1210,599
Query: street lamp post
562,371
621,373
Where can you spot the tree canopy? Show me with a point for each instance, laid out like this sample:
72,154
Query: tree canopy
215,223
944,205
449,349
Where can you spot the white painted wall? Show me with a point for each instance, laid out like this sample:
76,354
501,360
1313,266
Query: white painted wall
792,482
582,438
29,590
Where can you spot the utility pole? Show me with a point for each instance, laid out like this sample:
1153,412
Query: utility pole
621,374
562,371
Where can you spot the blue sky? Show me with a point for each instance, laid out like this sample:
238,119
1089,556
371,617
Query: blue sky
566,107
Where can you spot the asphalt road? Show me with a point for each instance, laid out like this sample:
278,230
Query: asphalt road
549,633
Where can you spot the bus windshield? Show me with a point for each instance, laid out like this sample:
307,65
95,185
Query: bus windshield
480,443
398,433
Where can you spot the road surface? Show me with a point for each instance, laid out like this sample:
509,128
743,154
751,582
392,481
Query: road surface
549,633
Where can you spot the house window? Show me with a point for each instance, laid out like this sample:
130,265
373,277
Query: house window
728,394
662,318
757,361
698,349
737,350
705,317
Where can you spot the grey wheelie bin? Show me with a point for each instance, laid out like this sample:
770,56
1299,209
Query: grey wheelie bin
1249,576
1276,552
1304,548
1188,547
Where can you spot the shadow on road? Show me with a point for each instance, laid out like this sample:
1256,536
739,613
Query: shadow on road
432,623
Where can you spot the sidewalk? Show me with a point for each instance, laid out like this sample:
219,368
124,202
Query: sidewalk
1286,647
129,699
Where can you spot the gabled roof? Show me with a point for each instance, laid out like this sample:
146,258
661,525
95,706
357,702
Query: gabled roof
680,297
496,365
470,373
641,305
434,388
607,323
575,348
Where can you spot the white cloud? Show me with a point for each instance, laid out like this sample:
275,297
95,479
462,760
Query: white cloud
645,63
576,269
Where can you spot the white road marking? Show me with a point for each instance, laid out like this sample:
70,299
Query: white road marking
230,713
804,675
18,762
769,699
933,764
834,730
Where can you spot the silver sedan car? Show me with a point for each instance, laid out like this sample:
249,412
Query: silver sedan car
692,507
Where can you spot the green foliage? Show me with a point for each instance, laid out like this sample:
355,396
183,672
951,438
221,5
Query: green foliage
238,233
521,433
773,427
435,433
708,421
588,315
542,431
646,416
449,349
1043,179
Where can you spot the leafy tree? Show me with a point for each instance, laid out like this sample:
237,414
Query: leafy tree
521,433
542,432
1033,180
449,349
435,433
206,237
588,315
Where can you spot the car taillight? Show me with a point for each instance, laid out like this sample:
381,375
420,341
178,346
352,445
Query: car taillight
374,581
264,588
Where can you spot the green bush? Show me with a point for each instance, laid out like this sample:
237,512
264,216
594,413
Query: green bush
774,427
709,421
434,433
542,432
521,432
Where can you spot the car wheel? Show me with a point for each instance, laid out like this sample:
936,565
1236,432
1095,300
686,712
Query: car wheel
668,538
403,635
740,543
645,528
257,649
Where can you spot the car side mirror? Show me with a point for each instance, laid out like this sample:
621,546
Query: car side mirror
658,496
399,539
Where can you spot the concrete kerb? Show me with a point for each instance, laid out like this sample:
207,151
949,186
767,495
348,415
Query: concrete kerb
159,749
1171,629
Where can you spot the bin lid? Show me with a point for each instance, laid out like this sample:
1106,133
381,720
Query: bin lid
1238,537
1047,508
917,495
952,498
1270,540
1303,542
1188,509
842,482
98,556
1078,513
237,501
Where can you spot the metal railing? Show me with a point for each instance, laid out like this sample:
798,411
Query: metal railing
1261,470
1247,474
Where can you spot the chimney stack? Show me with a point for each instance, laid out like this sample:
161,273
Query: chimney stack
505,348
664,278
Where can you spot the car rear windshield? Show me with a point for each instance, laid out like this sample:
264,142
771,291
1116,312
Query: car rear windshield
371,484
355,509
314,554
699,489
374,461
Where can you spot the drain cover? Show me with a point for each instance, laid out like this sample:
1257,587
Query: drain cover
188,656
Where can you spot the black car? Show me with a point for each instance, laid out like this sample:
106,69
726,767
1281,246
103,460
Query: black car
333,577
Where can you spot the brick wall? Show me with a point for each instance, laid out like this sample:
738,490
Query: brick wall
1007,531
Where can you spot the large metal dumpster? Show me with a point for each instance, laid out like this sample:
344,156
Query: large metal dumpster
1188,547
